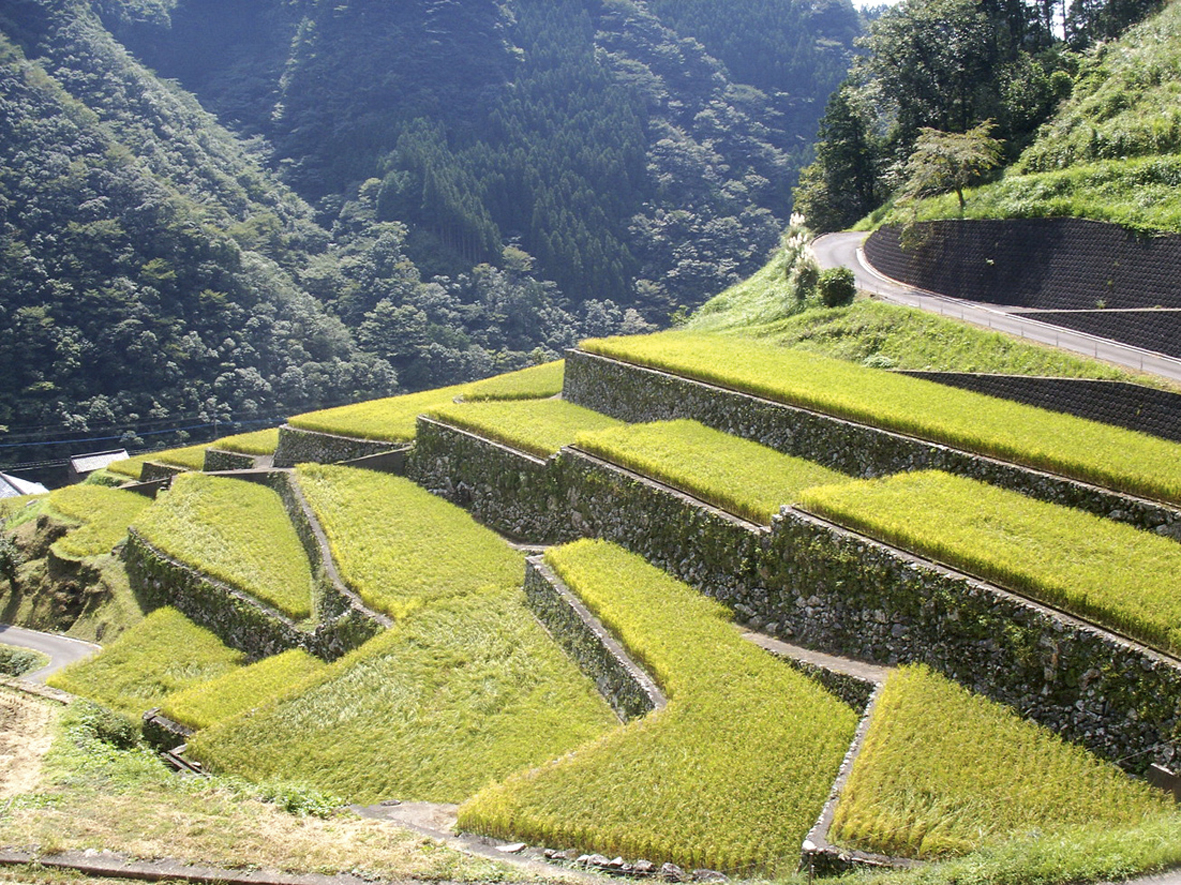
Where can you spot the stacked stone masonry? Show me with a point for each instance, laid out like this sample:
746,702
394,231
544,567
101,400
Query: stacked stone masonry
634,393
817,585
1144,409
298,446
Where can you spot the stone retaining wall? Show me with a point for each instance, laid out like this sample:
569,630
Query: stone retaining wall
627,688
240,621
1155,330
298,446
634,393
1049,263
1144,409
811,582
217,460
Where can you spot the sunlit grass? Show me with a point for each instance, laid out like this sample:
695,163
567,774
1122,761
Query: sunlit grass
539,427
103,513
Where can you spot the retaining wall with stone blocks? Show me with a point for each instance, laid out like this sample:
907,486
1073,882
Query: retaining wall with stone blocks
636,393
217,460
298,446
1049,263
626,687
813,583
1144,409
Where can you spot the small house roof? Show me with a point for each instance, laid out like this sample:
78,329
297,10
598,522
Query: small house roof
83,464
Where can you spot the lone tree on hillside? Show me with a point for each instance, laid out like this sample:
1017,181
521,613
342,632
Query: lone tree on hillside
944,161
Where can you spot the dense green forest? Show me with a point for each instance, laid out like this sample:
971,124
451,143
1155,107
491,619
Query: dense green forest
214,211
956,67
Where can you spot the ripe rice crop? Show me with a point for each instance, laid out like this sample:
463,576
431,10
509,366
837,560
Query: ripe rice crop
189,457
236,532
539,427
399,546
104,514
455,696
393,418
241,690
943,771
260,442
730,775
1117,575
162,654
1087,450
536,382
729,472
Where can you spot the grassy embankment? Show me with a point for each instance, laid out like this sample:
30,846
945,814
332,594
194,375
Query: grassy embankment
730,775
1111,153
734,474
1114,574
943,771
236,532
102,514
465,689
1086,450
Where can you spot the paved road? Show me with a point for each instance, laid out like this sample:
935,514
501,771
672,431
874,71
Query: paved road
60,649
844,250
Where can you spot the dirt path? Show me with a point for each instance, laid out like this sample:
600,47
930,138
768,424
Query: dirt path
24,738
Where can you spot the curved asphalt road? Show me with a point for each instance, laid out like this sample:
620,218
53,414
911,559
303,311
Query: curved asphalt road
61,650
844,250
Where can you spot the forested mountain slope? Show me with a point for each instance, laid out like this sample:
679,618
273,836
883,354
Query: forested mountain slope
429,190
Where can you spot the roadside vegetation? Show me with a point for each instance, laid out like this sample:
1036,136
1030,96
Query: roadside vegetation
162,654
1114,574
730,775
16,661
943,771
103,515
1087,450
539,427
240,690
236,532
734,474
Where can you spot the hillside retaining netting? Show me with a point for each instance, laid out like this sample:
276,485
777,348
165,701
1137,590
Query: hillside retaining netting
1144,409
1047,263
813,583
635,393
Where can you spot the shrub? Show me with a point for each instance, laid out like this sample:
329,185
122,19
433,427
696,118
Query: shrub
730,775
943,771
836,287
19,661
1117,575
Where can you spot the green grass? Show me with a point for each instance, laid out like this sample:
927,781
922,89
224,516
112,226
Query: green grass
399,546
731,775
1087,450
241,690
539,427
237,532
162,654
734,474
457,695
260,442
536,382
944,771
1117,575
104,515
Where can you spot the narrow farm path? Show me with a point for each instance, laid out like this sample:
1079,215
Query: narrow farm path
844,249
845,666
61,650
